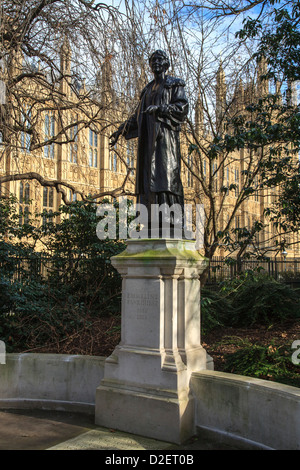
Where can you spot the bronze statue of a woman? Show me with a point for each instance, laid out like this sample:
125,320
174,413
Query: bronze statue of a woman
162,109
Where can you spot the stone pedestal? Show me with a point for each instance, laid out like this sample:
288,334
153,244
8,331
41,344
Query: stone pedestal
146,389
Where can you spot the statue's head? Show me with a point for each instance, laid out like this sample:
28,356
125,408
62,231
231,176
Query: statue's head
162,56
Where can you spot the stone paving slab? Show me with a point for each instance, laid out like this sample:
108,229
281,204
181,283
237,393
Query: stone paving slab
104,439
38,429
54,430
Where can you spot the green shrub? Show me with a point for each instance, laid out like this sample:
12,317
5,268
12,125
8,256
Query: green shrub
215,310
263,300
267,362
45,297
40,317
249,299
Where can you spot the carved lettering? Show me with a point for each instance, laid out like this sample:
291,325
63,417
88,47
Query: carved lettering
142,303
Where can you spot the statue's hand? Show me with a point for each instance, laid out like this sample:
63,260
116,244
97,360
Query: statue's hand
114,138
151,109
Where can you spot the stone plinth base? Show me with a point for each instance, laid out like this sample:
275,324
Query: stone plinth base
156,413
146,385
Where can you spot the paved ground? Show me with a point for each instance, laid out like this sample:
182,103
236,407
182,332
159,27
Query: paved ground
53,430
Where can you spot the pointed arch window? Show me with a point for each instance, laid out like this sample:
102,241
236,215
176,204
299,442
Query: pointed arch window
73,149
227,180
190,175
48,204
256,193
25,136
93,148
130,156
24,202
237,181
115,163
49,133
21,192
214,175
204,169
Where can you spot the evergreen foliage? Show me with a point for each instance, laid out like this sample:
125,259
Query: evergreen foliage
266,362
251,298
49,294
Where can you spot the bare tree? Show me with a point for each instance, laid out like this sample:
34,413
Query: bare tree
231,130
53,59
225,162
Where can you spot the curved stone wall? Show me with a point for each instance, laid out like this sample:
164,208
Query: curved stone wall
50,381
255,413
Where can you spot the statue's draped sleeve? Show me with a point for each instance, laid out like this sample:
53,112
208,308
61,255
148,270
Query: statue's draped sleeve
174,107
129,128
158,160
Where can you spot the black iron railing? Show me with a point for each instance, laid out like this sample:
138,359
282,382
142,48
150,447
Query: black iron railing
219,269
280,269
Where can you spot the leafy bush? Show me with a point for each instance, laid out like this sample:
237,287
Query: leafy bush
44,297
39,317
267,362
259,299
249,299
215,310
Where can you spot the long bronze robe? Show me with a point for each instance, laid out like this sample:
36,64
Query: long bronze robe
158,157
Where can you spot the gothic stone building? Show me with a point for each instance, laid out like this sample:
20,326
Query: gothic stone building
81,157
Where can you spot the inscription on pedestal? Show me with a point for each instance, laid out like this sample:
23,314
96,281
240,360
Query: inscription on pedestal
141,303
141,315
